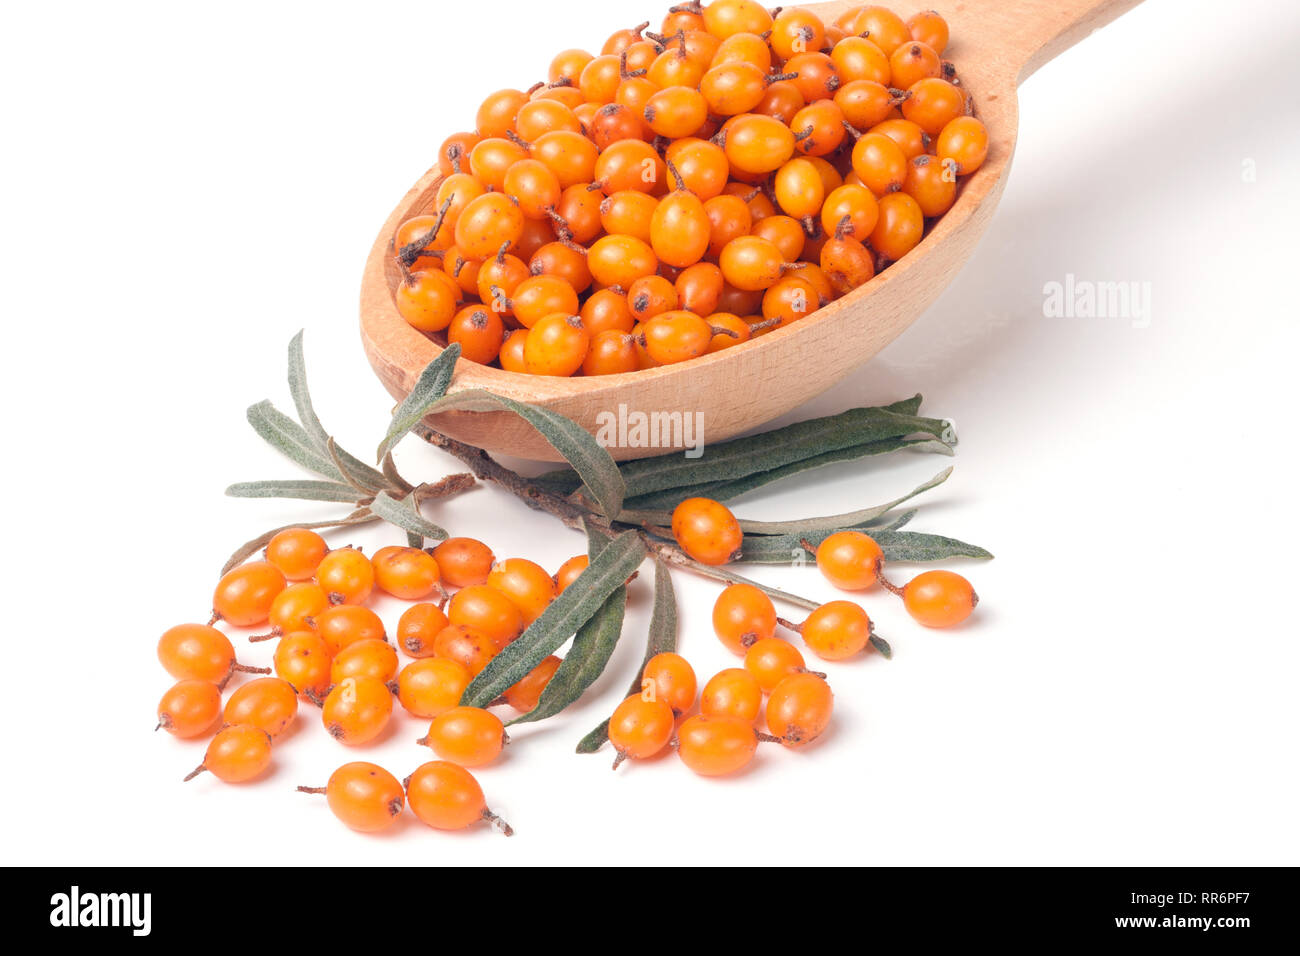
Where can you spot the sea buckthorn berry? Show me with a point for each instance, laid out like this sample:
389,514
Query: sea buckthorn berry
734,87
650,296
611,353
237,753
715,746
836,630
488,222
932,103
453,154
729,218
680,227
675,337
698,287
600,78
751,263
796,31
357,710
418,626
729,330
268,703
799,189
702,166
469,736
759,206
885,27
346,624
471,650
606,311
857,58
640,728
965,141
537,117
535,234
427,300
932,182
447,797
533,187
913,62
296,552
511,355
489,161
570,570
815,74
742,616
487,611
846,262
303,659
733,693
295,609
628,212
799,709
200,652
722,18
368,658
498,279
364,796
460,189
629,164
771,660
758,144
673,681
911,139
479,331
819,128
880,163
744,48
347,576
496,115
620,260
464,561
789,300
850,560
900,226
525,583
524,695
815,277
707,531
864,103
189,708
244,594
418,239
541,295
929,28
407,573
781,101
939,598
431,685
858,204
556,345
676,112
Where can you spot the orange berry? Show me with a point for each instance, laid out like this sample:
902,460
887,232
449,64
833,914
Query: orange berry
479,331
418,626
932,183
714,746
303,659
347,576
431,685
850,560
900,227
357,710
880,163
751,263
742,616
757,144
407,573
468,648
346,624
427,300
640,728
676,336
836,630
570,570
799,709
364,796
771,660
464,561
885,27
610,353
913,62
541,295
707,530
296,552
189,708
734,693
296,608
268,703
929,28
933,103
524,695
469,736
237,753
723,18
368,658
486,611
620,260
197,652
939,598
965,141
447,797
487,223
244,594
556,345
526,584
669,677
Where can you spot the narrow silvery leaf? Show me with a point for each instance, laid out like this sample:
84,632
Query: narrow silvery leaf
306,489
572,608
849,519
897,545
587,456
249,548
288,437
401,514
661,639
431,386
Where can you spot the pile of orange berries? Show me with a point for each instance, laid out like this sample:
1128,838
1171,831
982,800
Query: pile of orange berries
687,190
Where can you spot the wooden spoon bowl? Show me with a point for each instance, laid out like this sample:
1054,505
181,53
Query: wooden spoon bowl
996,44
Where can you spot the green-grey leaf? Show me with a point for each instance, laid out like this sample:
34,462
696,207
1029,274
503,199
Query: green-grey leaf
429,387
889,522
305,489
850,519
882,645
360,472
587,456
402,514
897,545
586,660
574,607
661,639
290,439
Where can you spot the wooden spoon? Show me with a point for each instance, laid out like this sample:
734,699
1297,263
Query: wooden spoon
996,44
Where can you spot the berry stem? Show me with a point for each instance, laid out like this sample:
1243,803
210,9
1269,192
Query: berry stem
194,773
311,789
497,822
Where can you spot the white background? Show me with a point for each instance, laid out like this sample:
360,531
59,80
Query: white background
185,186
